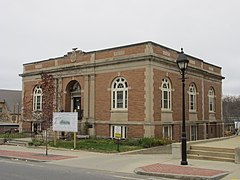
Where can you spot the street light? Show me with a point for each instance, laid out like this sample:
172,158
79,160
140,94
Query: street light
182,63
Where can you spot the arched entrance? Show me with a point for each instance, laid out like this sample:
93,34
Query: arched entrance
73,98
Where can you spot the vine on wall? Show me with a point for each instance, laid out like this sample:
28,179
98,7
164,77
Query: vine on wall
47,101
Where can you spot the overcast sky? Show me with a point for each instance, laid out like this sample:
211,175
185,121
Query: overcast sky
38,30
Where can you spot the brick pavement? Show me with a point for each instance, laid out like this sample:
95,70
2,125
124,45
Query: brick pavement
32,156
182,172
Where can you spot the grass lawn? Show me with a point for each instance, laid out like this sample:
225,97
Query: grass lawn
96,145
106,145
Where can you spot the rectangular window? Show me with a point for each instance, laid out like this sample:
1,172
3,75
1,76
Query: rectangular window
37,103
169,100
126,98
165,100
193,132
119,99
114,101
211,104
192,102
113,129
167,132
1,110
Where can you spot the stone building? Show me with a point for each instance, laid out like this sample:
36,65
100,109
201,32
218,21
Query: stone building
10,110
136,87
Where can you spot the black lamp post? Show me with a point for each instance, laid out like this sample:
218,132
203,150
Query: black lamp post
182,63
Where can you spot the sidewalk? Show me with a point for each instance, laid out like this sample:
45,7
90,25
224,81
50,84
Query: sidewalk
156,165
180,172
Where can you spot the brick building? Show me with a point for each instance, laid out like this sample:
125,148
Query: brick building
137,87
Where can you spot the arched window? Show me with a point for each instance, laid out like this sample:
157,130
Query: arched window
37,99
166,94
192,97
119,93
75,89
211,101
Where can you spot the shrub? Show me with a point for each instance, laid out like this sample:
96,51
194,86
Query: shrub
146,142
131,142
152,142
36,142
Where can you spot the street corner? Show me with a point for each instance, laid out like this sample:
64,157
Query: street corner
180,172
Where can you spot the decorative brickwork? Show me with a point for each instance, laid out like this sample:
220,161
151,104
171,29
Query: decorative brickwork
143,66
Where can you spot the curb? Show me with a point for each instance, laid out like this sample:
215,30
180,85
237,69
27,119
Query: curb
141,171
22,159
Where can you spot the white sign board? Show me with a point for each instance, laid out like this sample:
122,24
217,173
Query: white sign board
237,124
65,121
117,131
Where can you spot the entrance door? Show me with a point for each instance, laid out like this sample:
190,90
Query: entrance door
77,106
36,127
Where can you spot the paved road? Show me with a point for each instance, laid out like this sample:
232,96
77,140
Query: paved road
126,163
21,170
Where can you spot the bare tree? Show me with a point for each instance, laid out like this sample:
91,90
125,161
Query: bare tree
231,108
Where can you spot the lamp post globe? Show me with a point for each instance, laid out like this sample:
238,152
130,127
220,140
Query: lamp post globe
182,63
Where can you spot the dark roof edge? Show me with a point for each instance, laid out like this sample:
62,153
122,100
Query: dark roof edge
125,46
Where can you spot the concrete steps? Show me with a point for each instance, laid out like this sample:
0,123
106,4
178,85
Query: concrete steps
18,142
211,153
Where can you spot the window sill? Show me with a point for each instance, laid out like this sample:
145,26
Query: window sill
37,111
166,111
212,112
119,111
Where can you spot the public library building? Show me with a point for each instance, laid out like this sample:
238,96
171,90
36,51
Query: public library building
137,87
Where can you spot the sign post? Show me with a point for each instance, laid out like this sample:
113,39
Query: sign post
75,140
46,142
118,135
55,138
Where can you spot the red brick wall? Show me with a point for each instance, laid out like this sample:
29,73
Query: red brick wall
28,99
135,94
28,105
177,97
128,50
200,130
157,80
177,132
218,91
218,102
135,131
102,130
158,131
103,95
176,94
